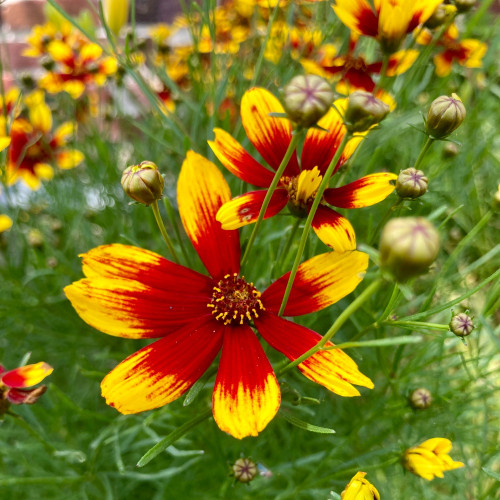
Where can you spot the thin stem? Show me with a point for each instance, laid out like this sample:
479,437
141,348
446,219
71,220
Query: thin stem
163,231
390,304
384,219
418,324
307,227
425,148
270,191
173,221
339,322
27,427
383,75
291,238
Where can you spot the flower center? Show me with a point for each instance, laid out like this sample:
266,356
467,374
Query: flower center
235,301
303,188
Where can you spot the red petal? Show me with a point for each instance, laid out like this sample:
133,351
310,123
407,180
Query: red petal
333,369
25,397
319,283
164,370
271,136
246,394
201,191
364,192
245,209
26,376
234,157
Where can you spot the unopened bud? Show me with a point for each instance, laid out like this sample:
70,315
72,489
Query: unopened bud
461,325
464,5
441,15
306,99
244,470
35,238
445,115
143,182
408,246
496,199
363,111
421,398
116,14
450,150
411,183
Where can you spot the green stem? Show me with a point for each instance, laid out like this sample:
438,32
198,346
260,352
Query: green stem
418,324
307,227
173,221
339,322
163,231
270,191
383,75
390,304
425,148
27,427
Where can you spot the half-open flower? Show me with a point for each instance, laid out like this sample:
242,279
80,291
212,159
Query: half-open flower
134,293
271,137
15,384
431,458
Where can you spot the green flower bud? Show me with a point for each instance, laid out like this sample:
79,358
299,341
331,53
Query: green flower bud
450,150
411,183
143,182
464,5
461,325
445,115
244,470
363,111
408,246
421,398
441,15
306,99
496,199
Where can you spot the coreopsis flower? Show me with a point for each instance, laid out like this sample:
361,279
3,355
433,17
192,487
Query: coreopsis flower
354,72
78,64
430,458
467,53
41,36
271,136
15,384
389,21
360,488
34,148
9,103
134,293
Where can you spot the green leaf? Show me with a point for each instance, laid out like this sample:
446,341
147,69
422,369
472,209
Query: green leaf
404,339
306,425
491,473
172,438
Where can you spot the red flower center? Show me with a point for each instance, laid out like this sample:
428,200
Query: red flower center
235,301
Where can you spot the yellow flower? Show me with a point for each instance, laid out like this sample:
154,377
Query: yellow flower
430,458
360,488
5,223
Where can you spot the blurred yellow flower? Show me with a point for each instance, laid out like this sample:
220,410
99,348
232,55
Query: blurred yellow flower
430,458
360,488
116,14
5,223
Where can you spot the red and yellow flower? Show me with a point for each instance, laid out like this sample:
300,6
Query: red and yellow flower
134,293
271,137
431,458
15,384
34,148
41,36
389,21
467,53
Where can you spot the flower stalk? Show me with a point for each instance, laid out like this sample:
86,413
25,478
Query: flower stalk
270,191
163,231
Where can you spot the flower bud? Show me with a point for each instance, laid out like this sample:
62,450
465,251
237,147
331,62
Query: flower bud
496,199
143,182
445,115
421,398
441,15
363,111
450,150
35,238
461,325
408,246
306,99
244,470
411,183
464,5
116,14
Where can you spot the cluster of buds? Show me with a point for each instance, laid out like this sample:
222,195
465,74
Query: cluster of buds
446,114
143,182
306,99
408,246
